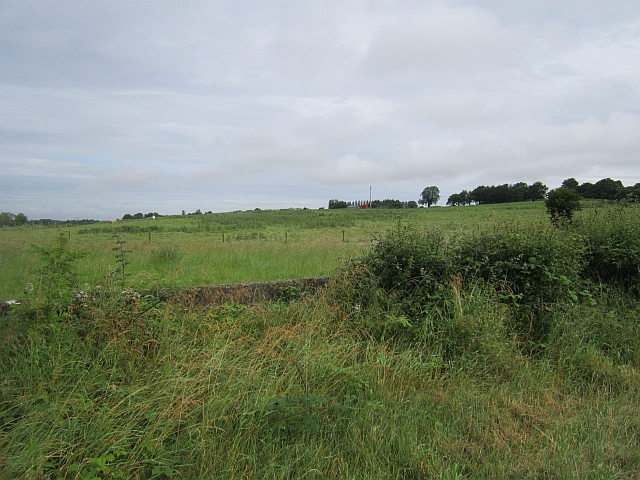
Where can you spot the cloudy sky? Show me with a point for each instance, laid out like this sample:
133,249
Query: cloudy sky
113,107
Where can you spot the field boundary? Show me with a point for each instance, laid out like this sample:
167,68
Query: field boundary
244,293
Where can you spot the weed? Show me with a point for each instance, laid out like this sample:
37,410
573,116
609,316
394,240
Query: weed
121,257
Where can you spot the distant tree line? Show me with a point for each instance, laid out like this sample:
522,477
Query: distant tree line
386,203
138,216
8,219
506,193
606,189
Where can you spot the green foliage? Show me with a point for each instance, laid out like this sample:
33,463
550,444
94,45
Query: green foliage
613,240
562,203
429,196
58,276
411,274
8,219
410,265
494,194
571,183
335,204
532,265
347,383
306,413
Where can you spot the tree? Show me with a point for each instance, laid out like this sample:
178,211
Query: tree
586,190
430,196
6,219
412,204
518,192
608,189
571,183
455,200
536,191
335,203
138,216
20,219
562,203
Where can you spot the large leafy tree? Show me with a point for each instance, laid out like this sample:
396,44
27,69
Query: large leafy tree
562,203
429,196
536,191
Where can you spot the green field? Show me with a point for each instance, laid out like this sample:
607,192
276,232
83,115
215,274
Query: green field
494,346
183,251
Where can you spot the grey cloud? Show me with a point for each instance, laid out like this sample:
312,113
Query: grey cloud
172,105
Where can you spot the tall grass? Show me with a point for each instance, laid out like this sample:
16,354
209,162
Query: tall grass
199,400
331,386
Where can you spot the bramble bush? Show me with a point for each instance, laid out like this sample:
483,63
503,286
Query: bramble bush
613,246
409,275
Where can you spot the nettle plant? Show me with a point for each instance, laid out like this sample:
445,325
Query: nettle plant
121,257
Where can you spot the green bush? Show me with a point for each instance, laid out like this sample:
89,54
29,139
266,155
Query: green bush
412,282
613,246
411,266
561,204
532,265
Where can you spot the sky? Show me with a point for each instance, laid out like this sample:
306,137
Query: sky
114,107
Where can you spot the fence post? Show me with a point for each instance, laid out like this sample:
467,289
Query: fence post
343,235
285,237
149,238
222,237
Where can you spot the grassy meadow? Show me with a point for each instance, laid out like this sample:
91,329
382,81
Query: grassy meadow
451,343
258,245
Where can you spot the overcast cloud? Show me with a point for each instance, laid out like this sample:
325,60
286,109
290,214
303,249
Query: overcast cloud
113,107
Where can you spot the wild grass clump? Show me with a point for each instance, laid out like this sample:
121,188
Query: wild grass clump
166,253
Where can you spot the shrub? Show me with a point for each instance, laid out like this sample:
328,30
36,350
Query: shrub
411,266
58,278
613,246
562,203
533,265
409,276
166,253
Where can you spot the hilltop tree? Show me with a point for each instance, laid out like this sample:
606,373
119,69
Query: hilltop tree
455,199
571,183
429,196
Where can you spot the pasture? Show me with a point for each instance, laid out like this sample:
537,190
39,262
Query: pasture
181,251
